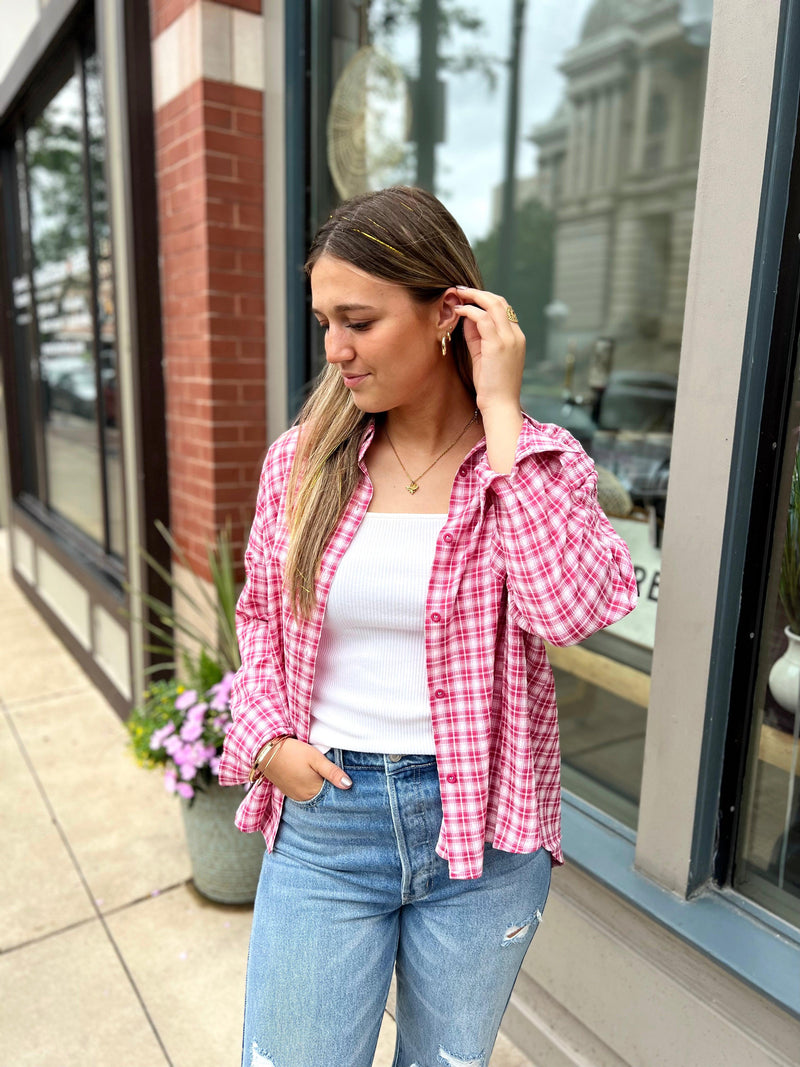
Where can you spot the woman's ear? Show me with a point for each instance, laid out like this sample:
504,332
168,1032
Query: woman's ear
448,319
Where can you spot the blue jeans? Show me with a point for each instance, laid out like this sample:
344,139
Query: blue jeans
354,889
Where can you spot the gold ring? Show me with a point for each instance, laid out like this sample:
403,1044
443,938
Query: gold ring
511,315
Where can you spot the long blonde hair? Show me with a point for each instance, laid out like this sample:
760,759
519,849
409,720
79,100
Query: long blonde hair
401,235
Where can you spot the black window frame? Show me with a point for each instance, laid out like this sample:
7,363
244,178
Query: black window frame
762,424
59,22
70,60
297,23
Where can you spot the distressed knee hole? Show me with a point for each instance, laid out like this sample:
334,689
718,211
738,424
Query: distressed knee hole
259,1058
515,934
458,1061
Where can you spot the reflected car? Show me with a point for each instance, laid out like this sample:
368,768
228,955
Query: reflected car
627,429
562,411
75,393
53,369
638,402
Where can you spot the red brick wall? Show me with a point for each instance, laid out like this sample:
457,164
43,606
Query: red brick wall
163,12
209,150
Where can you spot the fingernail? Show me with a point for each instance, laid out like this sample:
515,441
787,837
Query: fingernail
462,287
345,780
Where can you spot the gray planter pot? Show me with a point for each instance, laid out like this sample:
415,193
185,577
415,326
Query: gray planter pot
226,863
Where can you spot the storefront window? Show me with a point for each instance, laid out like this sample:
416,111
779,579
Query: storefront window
768,855
64,303
565,140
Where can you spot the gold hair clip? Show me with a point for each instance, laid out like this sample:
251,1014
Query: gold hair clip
378,224
377,240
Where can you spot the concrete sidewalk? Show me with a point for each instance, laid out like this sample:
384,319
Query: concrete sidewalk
108,957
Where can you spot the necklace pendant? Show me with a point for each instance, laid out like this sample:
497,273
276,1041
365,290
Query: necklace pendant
412,488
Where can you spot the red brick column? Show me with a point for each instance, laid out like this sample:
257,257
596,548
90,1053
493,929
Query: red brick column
164,12
209,150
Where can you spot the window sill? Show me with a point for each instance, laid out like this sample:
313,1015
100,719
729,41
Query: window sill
757,947
75,551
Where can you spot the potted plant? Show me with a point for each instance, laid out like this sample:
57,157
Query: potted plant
784,677
181,723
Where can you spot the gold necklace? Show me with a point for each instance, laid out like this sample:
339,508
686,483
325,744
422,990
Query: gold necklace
413,485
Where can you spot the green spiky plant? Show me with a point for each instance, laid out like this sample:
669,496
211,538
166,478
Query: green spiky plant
216,655
789,588
181,722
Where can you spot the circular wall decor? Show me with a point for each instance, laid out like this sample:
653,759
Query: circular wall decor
368,123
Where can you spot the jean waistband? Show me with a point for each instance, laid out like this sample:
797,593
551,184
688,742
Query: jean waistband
389,763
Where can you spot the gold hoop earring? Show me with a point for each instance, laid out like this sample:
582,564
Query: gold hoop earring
445,339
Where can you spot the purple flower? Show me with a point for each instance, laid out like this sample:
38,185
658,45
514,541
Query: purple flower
221,722
222,692
185,790
172,744
184,754
185,699
197,713
191,730
188,771
159,736
170,780
213,764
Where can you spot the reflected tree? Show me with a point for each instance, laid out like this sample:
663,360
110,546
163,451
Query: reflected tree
450,19
58,209
530,286
55,160
438,21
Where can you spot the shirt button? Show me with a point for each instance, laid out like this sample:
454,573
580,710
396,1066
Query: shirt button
463,472
439,693
436,617
448,539
451,778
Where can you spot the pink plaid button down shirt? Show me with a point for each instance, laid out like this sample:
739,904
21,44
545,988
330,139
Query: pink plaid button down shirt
522,559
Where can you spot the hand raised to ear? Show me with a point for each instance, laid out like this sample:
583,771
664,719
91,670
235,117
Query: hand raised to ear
497,347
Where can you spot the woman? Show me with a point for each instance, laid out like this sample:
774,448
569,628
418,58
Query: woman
416,541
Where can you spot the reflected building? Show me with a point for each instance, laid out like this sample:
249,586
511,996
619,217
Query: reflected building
617,163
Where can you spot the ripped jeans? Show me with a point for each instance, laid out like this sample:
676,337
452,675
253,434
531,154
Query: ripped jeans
353,890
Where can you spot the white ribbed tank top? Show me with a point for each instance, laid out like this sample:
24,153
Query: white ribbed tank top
370,684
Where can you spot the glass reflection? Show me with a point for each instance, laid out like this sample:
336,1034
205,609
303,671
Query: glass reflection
565,139
106,321
768,854
63,295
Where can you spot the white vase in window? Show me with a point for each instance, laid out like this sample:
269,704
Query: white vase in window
784,678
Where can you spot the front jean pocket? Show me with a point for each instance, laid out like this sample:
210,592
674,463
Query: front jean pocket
312,801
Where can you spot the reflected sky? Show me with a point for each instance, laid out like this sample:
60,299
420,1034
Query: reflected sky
469,162
475,137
